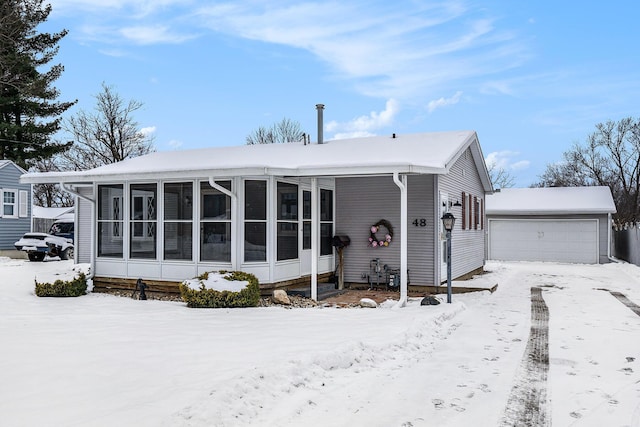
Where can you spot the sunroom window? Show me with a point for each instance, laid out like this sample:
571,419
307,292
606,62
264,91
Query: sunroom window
142,240
178,221
287,221
215,223
326,222
255,221
110,221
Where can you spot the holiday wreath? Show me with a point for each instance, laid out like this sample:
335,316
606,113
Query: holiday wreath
376,241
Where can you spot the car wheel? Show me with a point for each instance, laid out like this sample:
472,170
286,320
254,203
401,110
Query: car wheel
67,254
36,256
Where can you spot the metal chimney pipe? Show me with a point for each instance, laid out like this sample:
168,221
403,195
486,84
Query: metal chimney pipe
320,108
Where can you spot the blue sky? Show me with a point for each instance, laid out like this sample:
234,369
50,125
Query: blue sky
531,78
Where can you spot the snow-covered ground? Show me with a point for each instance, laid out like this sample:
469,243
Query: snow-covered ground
101,360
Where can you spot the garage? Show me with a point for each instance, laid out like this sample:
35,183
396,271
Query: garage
572,241
559,224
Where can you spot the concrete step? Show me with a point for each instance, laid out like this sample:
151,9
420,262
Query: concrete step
325,290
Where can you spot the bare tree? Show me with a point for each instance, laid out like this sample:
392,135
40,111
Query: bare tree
49,195
610,157
284,131
500,177
107,136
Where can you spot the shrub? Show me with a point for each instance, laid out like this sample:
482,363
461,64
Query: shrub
211,298
66,288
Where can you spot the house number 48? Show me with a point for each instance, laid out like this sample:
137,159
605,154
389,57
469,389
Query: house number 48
422,222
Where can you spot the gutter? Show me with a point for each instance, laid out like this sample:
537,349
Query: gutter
92,263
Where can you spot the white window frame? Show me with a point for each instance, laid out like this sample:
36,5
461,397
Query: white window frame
14,204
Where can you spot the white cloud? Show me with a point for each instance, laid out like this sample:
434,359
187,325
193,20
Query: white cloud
366,124
443,102
146,35
506,160
148,130
406,50
175,144
390,51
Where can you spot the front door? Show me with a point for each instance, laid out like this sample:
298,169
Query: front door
444,208
305,232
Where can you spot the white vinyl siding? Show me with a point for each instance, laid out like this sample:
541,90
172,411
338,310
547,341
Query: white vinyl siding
362,202
468,238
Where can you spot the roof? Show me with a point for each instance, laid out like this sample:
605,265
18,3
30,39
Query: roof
4,163
553,200
426,153
51,213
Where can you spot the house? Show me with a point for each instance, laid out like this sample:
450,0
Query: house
562,224
15,218
273,210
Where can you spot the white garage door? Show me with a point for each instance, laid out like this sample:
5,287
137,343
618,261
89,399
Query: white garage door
573,241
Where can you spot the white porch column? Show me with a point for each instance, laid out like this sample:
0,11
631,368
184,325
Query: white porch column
401,182
234,219
314,239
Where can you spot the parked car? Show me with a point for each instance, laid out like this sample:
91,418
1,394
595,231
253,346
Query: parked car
57,243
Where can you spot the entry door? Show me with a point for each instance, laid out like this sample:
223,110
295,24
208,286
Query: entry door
444,208
305,231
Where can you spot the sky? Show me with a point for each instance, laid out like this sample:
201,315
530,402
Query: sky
531,78
102,360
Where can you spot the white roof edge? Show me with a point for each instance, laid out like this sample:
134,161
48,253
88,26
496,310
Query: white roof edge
549,212
329,171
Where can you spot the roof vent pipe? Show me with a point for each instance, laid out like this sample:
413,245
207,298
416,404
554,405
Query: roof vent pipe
320,108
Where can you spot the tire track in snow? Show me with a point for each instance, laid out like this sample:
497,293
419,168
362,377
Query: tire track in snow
527,404
626,301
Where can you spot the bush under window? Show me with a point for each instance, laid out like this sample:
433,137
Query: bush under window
63,288
198,293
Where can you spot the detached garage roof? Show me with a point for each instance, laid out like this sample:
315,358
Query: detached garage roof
551,201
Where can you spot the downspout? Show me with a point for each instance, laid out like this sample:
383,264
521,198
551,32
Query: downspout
402,184
609,241
92,264
234,211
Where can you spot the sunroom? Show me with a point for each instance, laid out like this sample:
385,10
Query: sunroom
171,230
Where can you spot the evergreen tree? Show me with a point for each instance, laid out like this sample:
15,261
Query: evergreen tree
29,112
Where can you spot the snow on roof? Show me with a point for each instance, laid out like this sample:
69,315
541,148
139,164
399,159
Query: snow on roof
555,200
51,213
414,153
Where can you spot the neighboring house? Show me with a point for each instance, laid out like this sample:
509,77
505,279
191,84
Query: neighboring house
43,218
561,224
273,210
15,219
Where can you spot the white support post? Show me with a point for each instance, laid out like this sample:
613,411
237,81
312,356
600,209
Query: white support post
315,226
401,182
234,218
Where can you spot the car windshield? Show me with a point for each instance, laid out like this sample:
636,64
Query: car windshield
61,228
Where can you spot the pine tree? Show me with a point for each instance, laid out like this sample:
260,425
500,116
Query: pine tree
29,112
